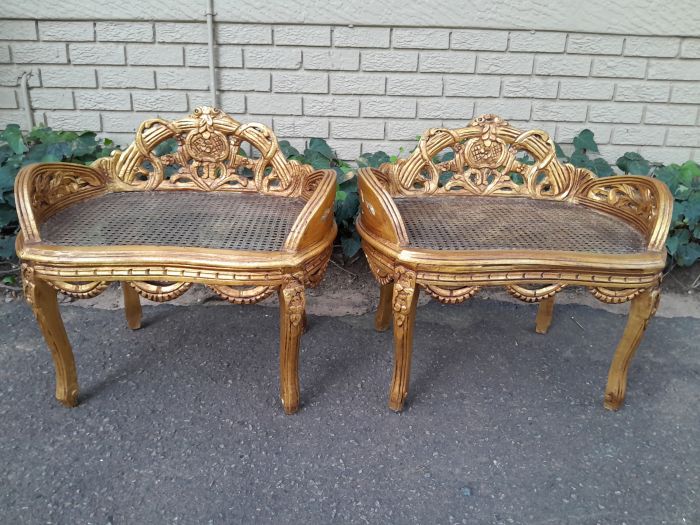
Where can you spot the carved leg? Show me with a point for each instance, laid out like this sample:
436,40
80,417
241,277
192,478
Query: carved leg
405,298
304,322
42,297
643,307
544,315
132,307
292,303
382,319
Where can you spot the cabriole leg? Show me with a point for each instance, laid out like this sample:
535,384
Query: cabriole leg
544,315
382,319
642,308
405,299
42,297
292,305
132,306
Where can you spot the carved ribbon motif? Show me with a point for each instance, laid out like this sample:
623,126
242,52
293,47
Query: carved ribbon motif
485,162
208,157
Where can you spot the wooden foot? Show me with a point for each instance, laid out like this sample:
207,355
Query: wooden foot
405,298
132,306
643,307
544,315
292,304
382,319
42,297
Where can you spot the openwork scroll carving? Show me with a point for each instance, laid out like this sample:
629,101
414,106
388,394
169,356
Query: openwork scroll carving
632,197
486,160
209,156
56,184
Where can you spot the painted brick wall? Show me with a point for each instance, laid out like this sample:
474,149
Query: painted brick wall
363,88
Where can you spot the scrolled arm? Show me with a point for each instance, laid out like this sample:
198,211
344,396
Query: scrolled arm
315,222
378,213
642,201
43,189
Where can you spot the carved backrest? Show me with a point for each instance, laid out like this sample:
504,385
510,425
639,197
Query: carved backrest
209,157
487,159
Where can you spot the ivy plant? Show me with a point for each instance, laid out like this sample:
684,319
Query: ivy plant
42,144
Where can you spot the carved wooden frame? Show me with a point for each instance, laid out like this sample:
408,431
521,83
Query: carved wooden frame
486,162
209,159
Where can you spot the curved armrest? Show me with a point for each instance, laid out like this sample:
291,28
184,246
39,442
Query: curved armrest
43,189
643,201
315,222
378,212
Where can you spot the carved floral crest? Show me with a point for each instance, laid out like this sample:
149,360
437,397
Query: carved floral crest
485,161
209,156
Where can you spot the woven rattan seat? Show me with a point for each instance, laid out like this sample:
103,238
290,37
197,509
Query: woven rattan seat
224,220
492,205
201,200
493,223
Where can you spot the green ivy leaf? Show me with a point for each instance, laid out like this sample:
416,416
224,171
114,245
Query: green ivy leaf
677,214
373,160
288,150
340,195
634,164
602,168
7,177
689,174
584,141
580,160
677,239
13,136
688,253
320,147
351,245
560,153
7,246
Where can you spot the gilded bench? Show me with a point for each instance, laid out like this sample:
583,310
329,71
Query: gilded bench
486,215
245,225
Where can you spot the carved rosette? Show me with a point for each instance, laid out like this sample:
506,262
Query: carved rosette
486,161
404,288
209,156
293,292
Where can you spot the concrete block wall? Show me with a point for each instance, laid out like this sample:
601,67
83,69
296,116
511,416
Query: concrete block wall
362,87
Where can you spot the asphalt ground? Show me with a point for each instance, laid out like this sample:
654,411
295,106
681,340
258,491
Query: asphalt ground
180,421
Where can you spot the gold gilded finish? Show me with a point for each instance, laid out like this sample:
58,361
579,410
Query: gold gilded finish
490,159
213,155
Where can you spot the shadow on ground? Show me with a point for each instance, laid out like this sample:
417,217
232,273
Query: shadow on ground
180,421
